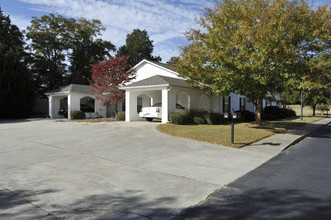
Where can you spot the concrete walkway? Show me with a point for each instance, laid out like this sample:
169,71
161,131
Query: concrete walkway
115,170
275,144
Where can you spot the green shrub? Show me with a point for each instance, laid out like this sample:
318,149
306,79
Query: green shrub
214,118
288,112
196,117
275,111
198,120
179,118
245,115
120,116
77,115
268,117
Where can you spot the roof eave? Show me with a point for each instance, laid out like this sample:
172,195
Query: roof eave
145,87
154,64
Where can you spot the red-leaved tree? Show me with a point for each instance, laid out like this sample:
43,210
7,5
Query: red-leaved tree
107,76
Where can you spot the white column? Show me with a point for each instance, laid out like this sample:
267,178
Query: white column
165,106
127,106
50,106
69,105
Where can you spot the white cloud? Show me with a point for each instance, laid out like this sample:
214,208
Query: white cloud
164,20
20,21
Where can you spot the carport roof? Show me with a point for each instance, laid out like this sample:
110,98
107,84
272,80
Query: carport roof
159,80
72,88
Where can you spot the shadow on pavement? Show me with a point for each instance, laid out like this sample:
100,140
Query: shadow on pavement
14,121
19,204
260,204
130,204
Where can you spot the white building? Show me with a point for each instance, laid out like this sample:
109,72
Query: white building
154,83
157,83
75,98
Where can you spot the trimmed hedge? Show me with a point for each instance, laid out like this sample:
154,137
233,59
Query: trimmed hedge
196,117
198,120
120,116
178,118
77,115
214,118
275,111
245,115
288,112
268,117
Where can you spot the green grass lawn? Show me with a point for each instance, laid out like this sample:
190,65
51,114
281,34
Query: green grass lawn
245,133
307,111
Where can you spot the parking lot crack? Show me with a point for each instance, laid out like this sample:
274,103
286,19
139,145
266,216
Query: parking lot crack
49,214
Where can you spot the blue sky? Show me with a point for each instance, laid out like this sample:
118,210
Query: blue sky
164,20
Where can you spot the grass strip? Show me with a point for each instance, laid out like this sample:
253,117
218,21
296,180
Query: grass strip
245,133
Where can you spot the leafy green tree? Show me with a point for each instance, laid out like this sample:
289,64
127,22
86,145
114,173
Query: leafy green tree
318,83
173,61
49,43
16,83
254,47
64,50
138,47
87,49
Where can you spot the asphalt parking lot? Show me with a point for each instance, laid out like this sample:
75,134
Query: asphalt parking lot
108,170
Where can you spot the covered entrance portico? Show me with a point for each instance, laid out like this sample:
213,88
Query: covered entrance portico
157,89
137,98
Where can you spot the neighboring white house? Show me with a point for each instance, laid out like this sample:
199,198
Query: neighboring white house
77,97
157,83
154,83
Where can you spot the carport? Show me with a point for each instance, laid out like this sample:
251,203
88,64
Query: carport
157,89
75,97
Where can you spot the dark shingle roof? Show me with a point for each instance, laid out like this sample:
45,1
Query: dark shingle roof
164,65
72,88
160,80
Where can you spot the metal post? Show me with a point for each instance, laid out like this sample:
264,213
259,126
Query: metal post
232,131
302,103
232,127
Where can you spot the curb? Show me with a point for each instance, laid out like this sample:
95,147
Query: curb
303,137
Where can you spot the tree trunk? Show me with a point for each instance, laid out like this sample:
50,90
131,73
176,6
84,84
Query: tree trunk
259,112
314,109
116,108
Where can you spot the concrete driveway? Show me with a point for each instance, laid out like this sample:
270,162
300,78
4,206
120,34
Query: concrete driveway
109,170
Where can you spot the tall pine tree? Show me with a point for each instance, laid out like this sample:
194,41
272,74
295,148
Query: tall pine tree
16,83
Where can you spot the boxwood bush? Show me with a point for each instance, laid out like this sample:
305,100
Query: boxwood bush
178,118
288,112
196,117
244,115
77,115
268,117
214,118
120,116
198,120
275,111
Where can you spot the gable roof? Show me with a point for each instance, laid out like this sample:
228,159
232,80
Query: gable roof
159,80
72,88
164,66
